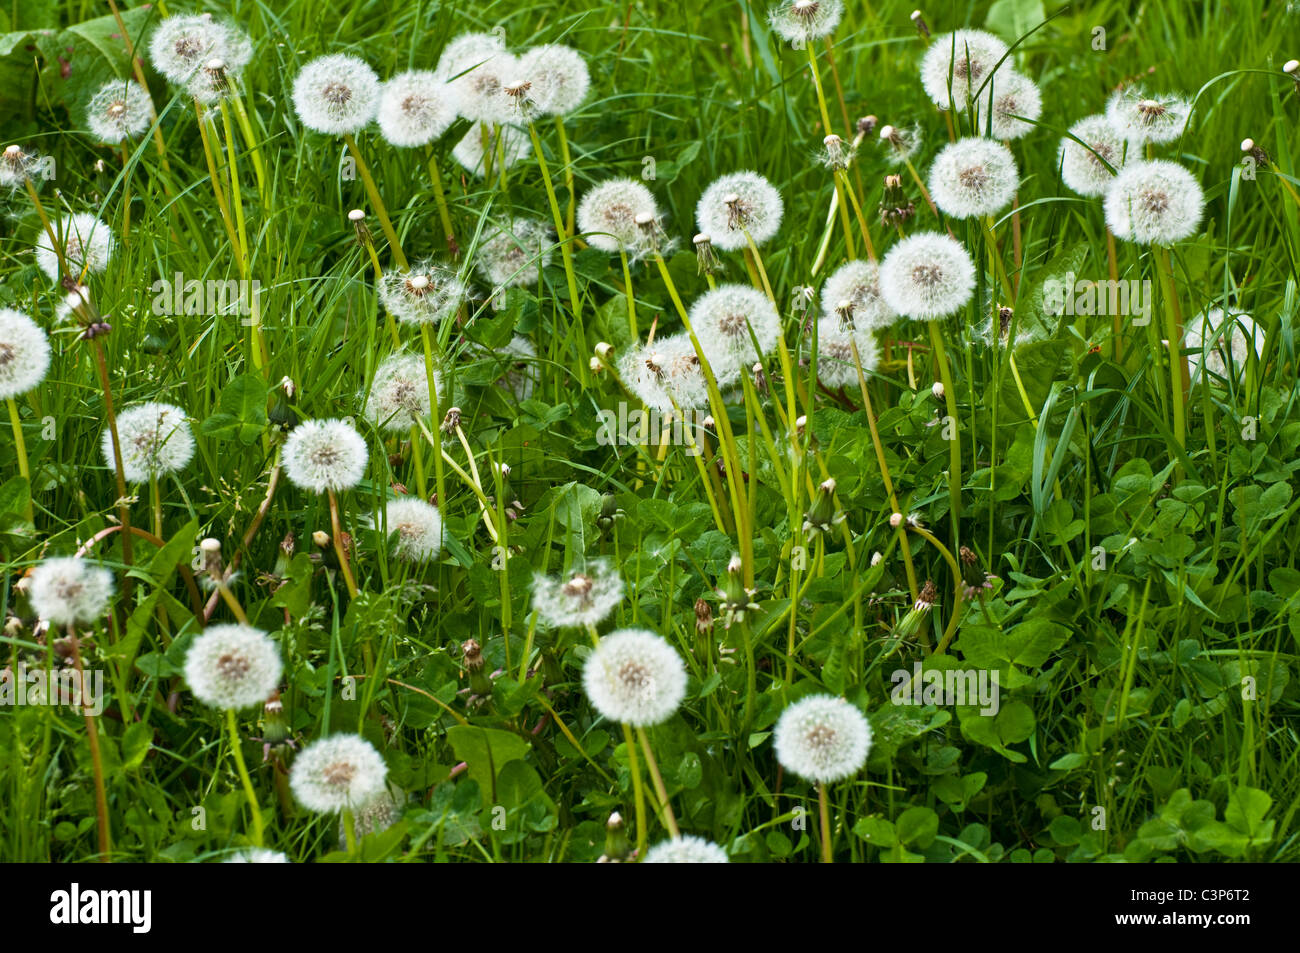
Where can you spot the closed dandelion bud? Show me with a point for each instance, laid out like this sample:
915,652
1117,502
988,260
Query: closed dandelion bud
823,515
974,579
706,258
596,366
703,617
617,847
735,599
910,625
760,378
1291,67
895,207
480,683
877,558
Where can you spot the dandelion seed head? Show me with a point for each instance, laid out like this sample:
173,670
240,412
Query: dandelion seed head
341,772
426,293
1232,342
822,739
24,354
1082,170
257,855
558,77
415,108
858,283
182,44
607,214
969,57
724,319
322,455
511,253
1143,117
635,677
1154,203
738,203
974,177
1013,95
836,366
418,526
121,109
215,77
585,597
927,276
87,244
686,849
469,152
233,667
69,590
901,143
17,165
666,374
336,95
399,394
476,64
155,439
375,815
800,21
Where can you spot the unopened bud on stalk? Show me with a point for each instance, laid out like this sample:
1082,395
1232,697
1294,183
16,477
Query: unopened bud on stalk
604,350
703,617
911,623
617,846
480,683
595,365
937,390
735,599
877,558
823,515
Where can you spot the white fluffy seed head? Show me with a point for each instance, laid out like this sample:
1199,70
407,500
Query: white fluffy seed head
470,151
968,58
836,364
121,109
87,245
341,772
155,439
686,849
336,94
417,526
728,318
858,283
1015,100
511,253
68,590
635,677
323,455
399,394
426,293
558,78
1205,340
822,739
927,276
1143,117
582,598
233,667
738,203
474,63
666,374
608,212
24,353
1082,170
974,177
257,855
181,45
1154,203
800,21
375,815
216,77
416,108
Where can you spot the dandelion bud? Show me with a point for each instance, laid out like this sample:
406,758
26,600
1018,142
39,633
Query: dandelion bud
895,520
480,683
736,600
596,365
503,469
800,423
604,350
321,539
451,422
823,515
703,617
974,579
918,20
911,623
895,207
877,558
617,846
708,422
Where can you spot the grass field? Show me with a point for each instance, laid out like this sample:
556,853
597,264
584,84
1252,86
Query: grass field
1097,525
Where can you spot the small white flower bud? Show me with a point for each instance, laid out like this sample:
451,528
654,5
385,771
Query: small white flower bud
896,520
937,390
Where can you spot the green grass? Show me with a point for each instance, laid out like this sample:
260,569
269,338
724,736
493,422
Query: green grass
1122,687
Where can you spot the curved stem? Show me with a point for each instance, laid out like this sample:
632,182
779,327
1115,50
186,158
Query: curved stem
244,779
670,820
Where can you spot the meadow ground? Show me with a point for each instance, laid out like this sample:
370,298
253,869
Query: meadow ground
984,553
